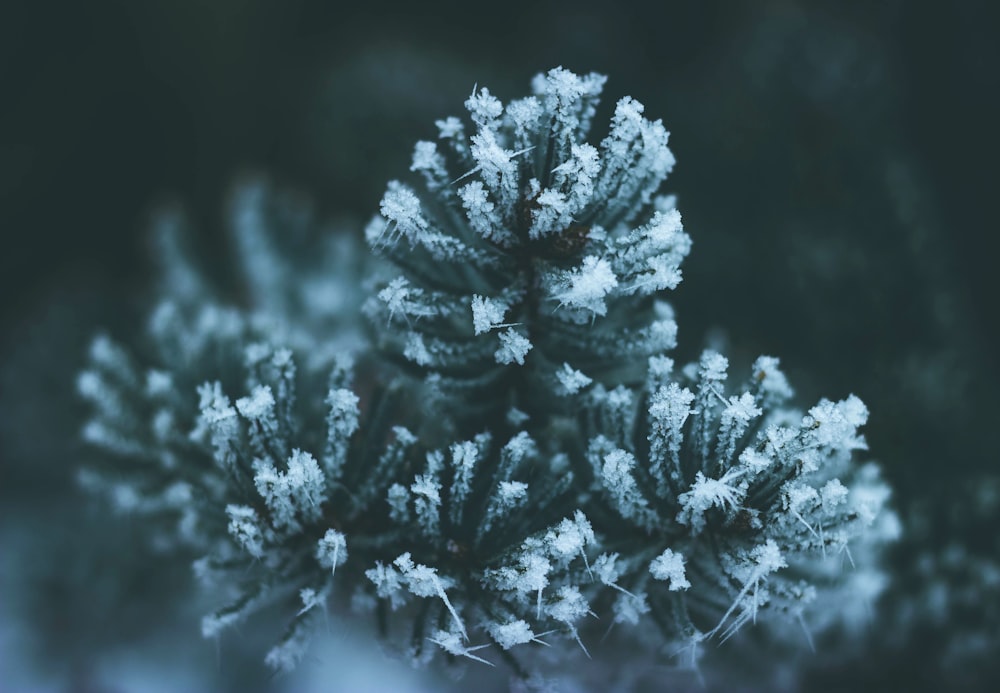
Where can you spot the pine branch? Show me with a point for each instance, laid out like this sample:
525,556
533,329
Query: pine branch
513,453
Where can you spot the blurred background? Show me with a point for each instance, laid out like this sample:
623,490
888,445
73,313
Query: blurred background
836,171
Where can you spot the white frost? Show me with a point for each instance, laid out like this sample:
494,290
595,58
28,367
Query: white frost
670,566
487,313
572,380
513,347
586,288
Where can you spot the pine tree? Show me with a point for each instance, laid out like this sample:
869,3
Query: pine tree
507,452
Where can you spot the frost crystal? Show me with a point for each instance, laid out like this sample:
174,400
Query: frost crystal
507,635
258,405
331,550
670,566
244,527
486,314
453,643
586,288
572,380
513,347
296,493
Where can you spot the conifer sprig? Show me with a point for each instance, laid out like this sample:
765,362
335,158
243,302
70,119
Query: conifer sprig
514,458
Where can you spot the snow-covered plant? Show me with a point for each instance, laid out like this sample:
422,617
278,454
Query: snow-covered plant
514,458
729,508
531,257
145,410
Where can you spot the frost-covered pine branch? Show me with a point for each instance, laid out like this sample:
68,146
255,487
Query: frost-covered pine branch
529,252
734,508
144,409
510,459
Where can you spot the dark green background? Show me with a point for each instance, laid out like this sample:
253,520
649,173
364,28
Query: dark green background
836,170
